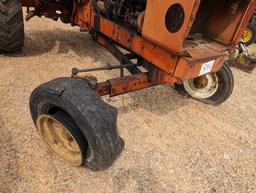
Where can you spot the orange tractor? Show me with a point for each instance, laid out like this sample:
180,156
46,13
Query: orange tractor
177,42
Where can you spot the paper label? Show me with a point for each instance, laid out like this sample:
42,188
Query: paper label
206,67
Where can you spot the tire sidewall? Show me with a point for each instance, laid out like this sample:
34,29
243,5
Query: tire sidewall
225,88
12,34
45,101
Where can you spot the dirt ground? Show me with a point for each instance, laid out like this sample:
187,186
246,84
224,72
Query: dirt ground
172,144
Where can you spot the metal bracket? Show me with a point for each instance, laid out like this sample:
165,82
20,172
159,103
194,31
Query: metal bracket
75,71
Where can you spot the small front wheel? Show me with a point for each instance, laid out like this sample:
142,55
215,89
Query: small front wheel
75,123
213,88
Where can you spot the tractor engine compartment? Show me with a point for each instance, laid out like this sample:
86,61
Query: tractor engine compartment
176,36
168,24
125,12
175,21
171,23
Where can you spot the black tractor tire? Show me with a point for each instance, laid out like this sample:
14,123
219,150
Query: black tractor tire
251,27
95,119
224,90
11,26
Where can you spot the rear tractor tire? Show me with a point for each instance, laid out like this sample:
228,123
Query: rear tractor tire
75,123
11,26
213,89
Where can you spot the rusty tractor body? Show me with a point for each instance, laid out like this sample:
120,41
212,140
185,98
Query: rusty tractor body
175,37
174,41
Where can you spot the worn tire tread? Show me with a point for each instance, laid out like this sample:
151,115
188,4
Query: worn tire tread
100,117
11,26
222,93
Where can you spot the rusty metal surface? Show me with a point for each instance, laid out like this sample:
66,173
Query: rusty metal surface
75,71
154,28
82,15
171,52
227,26
121,57
155,54
118,86
183,67
200,52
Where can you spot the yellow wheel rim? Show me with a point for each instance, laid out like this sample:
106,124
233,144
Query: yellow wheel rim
59,139
247,35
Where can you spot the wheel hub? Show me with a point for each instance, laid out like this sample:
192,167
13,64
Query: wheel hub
59,139
202,87
201,82
247,35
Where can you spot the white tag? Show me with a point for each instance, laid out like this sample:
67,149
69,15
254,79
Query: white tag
206,67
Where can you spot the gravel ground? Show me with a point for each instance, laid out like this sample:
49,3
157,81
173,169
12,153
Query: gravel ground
173,144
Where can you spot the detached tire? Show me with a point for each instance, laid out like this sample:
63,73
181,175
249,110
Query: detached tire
11,26
95,119
214,89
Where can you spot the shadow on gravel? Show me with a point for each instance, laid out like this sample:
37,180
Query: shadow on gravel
62,41
160,99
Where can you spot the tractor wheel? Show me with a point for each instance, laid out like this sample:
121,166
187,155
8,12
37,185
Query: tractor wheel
249,36
63,136
75,123
214,88
11,26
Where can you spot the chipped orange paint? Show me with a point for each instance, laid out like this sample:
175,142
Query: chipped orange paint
173,56
154,27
